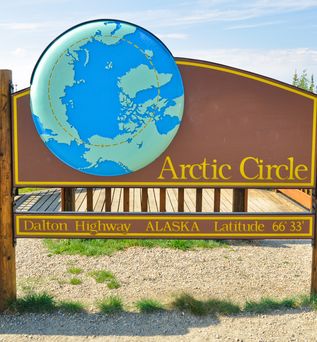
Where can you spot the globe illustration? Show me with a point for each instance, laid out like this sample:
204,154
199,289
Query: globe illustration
107,97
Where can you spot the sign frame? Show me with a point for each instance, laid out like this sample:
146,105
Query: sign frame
18,182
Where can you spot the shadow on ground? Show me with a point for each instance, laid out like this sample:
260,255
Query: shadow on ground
165,323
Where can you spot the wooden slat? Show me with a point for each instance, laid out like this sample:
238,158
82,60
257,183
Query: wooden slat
144,200
99,200
108,199
181,192
171,201
42,201
116,199
304,198
190,203
81,199
53,203
90,199
199,200
208,200
136,199
156,196
126,199
162,200
217,200
152,201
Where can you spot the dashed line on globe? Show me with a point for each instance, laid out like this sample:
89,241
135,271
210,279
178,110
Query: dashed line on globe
79,141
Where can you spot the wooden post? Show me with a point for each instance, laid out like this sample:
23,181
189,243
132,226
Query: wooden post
126,199
181,200
108,199
90,199
68,199
240,200
314,245
199,199
144,199
217,198
162,200
7,249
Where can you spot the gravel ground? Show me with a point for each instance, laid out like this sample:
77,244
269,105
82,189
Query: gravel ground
244,271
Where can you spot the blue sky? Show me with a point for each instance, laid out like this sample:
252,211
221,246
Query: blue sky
269,37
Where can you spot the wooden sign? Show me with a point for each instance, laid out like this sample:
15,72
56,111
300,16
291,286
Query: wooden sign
238,130
167,226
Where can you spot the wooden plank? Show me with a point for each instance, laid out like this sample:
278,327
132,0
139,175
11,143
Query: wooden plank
152,201
68,199
226,200
170,201
299,196
190,200
7,249
181,196
81,199
156,197
99,200
53,202
162,200
126,199
90,199
208,200
41,201
116,199
217,200
144,200
108,199
19,200
199,200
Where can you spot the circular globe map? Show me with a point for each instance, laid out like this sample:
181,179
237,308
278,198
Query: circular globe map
107,97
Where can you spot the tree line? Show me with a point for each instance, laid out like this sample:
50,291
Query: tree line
303,81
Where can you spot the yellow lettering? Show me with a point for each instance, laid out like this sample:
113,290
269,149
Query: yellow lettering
242,167
168,167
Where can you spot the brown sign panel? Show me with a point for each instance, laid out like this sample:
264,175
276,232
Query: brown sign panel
238,130
164,226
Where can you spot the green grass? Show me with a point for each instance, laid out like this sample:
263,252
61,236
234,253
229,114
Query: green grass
75,281
149,305
41,302
103,276
26,190
71,306
93,247
186,302
113,284
74,270
266,305
110,305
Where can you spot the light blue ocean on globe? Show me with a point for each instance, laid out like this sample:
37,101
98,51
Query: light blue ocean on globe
107,98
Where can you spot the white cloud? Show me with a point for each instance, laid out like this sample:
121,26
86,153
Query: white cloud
276,63
211,11
255,25
19,52
178,36
22,25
